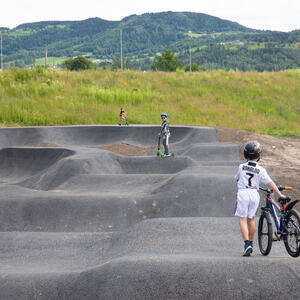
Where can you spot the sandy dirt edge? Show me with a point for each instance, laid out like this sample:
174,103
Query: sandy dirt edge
281,154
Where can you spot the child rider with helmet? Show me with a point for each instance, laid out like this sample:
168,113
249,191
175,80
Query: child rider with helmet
165,133
249,177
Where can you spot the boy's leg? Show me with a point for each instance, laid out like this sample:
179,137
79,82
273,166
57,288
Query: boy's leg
244,228
251,228
253,205
166,144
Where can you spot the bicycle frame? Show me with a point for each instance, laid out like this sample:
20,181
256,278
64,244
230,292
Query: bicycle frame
286,221
272,205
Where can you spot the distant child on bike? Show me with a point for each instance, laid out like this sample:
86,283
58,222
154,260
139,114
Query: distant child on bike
165,133
249,177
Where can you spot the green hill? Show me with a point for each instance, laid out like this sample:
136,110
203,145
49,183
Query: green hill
215,43
266,102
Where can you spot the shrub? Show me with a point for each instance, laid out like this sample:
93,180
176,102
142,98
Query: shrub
167,62
194,68
77,64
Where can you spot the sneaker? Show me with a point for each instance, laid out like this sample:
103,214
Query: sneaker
248,250
167,154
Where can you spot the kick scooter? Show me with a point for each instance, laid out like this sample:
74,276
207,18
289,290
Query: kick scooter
160,153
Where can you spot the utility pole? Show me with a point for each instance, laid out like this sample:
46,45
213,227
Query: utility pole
190,54
46,57
2,68
121,50
190,59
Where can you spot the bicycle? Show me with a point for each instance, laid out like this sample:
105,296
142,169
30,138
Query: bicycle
287,224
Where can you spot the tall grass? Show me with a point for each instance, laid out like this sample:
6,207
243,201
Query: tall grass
260,102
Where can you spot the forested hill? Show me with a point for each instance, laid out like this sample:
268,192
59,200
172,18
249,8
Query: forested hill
214,43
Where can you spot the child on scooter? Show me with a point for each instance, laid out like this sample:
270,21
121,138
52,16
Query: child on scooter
165,133
123,117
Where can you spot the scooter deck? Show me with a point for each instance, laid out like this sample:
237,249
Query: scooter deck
163,156
170,155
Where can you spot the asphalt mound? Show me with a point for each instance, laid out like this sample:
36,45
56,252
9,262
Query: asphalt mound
20,163
81,222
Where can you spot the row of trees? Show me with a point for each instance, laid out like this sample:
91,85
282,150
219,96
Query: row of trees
167,61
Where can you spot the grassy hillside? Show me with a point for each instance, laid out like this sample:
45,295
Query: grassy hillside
261,102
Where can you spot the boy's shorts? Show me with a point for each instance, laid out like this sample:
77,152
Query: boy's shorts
247,203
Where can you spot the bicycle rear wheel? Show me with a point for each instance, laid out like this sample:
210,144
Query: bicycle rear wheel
292,241
265,234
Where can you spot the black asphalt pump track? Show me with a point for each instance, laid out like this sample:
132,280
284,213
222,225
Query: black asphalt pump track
80,222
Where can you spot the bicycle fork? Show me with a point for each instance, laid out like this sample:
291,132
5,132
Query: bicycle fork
280,224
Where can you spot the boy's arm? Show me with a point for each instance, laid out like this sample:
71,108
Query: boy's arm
274,187
237,175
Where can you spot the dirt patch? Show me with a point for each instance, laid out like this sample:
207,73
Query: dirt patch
126,149
281,154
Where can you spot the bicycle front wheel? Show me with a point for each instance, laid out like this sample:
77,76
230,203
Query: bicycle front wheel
292,241
265,234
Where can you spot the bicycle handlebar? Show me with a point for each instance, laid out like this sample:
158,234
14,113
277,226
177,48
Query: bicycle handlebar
283,199
266,190
280,187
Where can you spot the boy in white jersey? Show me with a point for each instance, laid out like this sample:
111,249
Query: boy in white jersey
249,177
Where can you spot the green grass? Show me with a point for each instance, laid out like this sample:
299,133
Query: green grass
52,61
261,102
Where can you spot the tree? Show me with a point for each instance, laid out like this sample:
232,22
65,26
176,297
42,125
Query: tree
167,62
77,64
195,68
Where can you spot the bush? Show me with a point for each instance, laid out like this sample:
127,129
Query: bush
194,68
22,75
77,64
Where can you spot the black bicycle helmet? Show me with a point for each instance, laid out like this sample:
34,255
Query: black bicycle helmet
252,150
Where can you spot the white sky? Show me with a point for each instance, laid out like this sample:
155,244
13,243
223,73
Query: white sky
283,15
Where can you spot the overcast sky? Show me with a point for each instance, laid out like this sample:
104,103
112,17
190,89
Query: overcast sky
283,15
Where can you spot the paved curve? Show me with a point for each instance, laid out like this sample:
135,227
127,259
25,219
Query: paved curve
79,222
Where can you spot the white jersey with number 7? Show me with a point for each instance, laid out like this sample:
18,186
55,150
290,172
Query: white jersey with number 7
250,175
